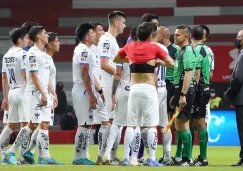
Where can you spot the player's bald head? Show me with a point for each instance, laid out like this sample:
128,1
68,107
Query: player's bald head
164,31
240,33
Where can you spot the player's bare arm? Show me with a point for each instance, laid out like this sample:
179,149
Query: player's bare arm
104,64
36,82
5,91
169,62
115,84
117,59
51,91
98,88
86,80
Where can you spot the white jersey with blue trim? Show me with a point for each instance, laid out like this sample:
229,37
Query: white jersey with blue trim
12,64
107,48
53,71
161,70
37,61
82,56
96,66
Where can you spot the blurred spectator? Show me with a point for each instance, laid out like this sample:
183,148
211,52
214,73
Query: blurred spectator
69,121
214,101
60,110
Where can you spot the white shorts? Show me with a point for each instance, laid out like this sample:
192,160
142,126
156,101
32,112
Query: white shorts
121,107
207,118
51,118
81,104
108,101
17,106
143,102
101,114
37,112
162,97
5,117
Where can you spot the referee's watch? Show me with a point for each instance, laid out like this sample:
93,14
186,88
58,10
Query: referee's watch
182,94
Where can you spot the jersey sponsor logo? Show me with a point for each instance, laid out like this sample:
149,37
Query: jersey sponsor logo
84,54
106,46
32,59
10,59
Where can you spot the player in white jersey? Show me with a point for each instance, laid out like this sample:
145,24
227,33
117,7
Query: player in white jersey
52,47
206,32
83,91
162,96
13,82
39,102
107,49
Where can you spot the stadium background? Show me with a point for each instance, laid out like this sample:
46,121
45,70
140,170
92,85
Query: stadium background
223,17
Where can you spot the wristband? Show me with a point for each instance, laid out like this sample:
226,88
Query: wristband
182,94
100,91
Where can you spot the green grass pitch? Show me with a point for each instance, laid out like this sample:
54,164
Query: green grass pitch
219,158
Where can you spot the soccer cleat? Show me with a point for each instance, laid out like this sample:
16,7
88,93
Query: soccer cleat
22,160
165,161
41,161
174,161
134,162
88,162
115,162
141,160
200,162
52,161
153,163
99,161
29,157
185,163
5,161
78,162
125,162
11,158
161,160
106,160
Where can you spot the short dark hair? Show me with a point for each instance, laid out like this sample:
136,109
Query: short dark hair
197,33
96,24
28,25
133,33
114,15
17,33
52,36
82,30
144,30
184,27
148,17
34,31
206,28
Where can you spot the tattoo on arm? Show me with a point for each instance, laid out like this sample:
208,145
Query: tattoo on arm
115,86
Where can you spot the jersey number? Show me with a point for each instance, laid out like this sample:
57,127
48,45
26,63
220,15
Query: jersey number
11,76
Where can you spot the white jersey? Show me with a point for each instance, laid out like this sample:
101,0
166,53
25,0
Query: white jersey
161,70
37,61
53,71
12,64
125,75
96,66
107,48
212,56
82,55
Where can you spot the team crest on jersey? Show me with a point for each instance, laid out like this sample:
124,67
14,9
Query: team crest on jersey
32,59
106,46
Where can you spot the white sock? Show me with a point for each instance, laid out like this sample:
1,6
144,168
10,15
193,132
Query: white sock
4,137
79,140
144,135
136,143
116,143
167,139
129,135
100,137
85,146
23,134
38,145
104,140
114,131
152,142
24,147
33,141
43,137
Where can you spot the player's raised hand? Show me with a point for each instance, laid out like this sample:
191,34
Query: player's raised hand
5,104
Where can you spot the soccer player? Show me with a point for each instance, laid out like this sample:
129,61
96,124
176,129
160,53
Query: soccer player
107,49
39,102
83,91
52,47
121,79
184,94
27,26
143,98
202,77
157,34
14,82
101,115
